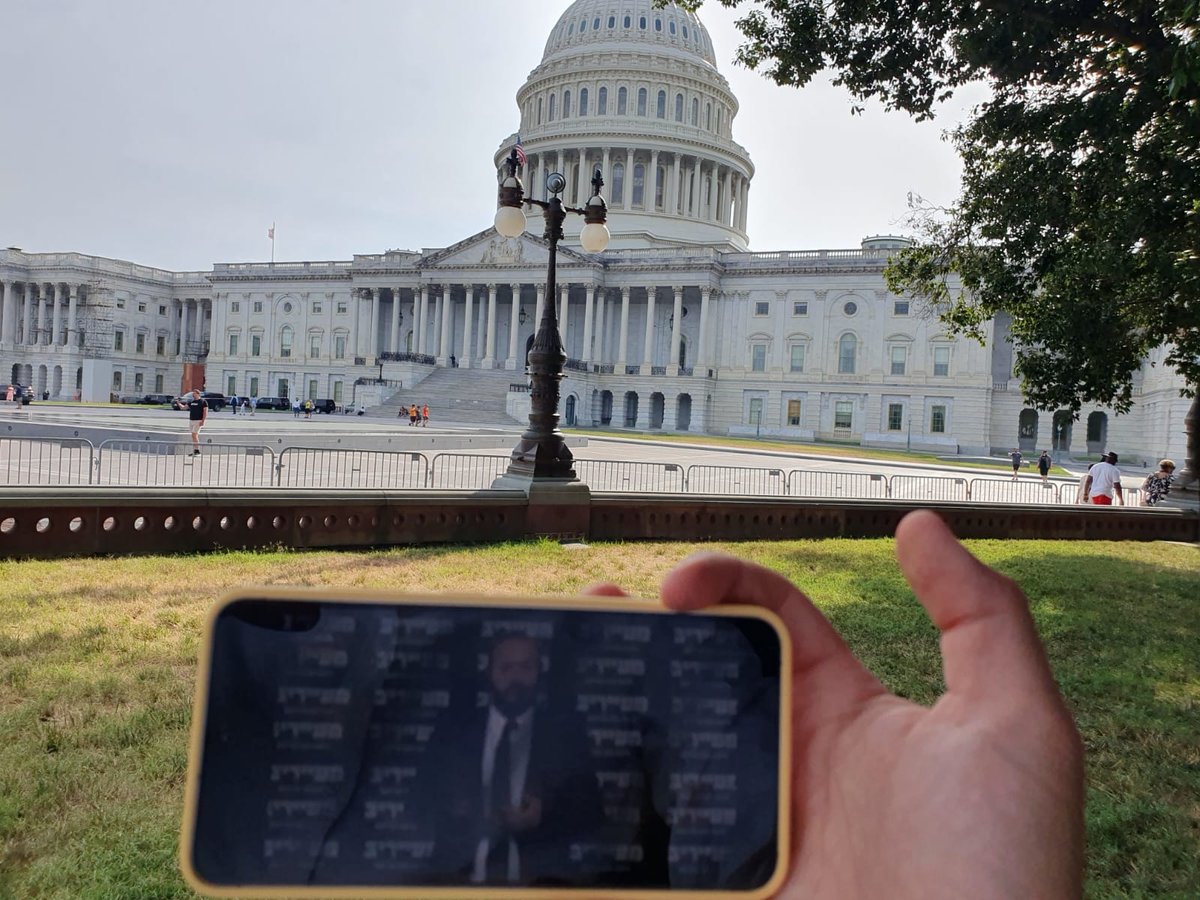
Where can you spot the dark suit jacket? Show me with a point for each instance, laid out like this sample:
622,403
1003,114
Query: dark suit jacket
561,775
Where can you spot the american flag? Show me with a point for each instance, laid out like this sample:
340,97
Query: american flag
271,232
521,158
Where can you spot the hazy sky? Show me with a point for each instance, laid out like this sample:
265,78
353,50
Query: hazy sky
173,134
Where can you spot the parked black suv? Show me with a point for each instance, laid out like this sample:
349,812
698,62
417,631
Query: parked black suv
155,400
324,405
216,402
274,403
22,392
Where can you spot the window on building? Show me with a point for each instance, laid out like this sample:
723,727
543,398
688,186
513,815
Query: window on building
937,420
900,307
797,358
231,386
843,415
660,108
118,340
583,101
679,107
283,388
642,23
553,107
160,346
758,357
622,99
162,310
139,382
755,411
339,347
847,354
539,116
141,306
658,24
285,341
639,186
120,303
641,109
618,188
233,345
256,345
158,384
612,21
895,417
139,343
660,188
899,360
342,306
116,382
314,345
628,21
258,306
337,388
793,412
312,389
672,26
696,111
602,101
708,116
235,306
254,386
566,104
941,361
316,307
800,308
762,307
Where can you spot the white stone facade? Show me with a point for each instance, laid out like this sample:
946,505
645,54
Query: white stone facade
676,327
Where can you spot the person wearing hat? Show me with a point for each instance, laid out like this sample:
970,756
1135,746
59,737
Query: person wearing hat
1158,485
1103,481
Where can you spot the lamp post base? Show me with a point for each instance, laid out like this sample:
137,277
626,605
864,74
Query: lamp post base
559,508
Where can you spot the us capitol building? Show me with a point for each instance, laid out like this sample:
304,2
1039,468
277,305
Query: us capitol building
676,327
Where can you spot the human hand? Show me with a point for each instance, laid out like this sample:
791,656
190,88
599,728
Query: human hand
979,796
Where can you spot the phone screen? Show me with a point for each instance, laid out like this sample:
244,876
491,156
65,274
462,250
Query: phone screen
367,744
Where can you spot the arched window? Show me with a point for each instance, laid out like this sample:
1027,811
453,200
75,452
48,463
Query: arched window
847,354
641,101
553,107
679,107
539,115
672,26
660,184
661,107
566,104
639,186
583,26
622,101
612,21
602,102
685,32
285,341
695,111
658,24
583,101
628,21
618,185
642,23
707,115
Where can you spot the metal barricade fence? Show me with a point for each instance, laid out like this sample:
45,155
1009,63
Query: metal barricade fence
851,485
1005,490
466,471
168,464
635,477
928,487
46,461
736,480
334,468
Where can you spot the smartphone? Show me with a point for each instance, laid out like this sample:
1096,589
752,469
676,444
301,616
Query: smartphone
368,745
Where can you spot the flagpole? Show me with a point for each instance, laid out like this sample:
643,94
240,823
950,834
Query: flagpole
272,243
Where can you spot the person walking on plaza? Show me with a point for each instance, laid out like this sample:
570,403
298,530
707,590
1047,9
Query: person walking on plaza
296,408
308,408
412,415
197,415
1158,484
246,407
1044,466
10,393
233,403
424,415
1015,456
1103,480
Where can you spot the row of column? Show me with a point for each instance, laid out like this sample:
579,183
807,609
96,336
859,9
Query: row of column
32,314
434,324
694,187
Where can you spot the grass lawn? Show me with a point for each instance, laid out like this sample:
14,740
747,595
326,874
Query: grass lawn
97,662
846,450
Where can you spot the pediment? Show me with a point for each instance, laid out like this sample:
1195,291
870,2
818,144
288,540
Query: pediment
489,250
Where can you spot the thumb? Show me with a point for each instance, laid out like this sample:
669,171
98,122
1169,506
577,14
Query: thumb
990,649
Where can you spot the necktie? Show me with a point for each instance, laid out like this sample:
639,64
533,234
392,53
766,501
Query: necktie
501,799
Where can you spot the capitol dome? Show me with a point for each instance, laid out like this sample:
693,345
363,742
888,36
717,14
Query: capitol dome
633,90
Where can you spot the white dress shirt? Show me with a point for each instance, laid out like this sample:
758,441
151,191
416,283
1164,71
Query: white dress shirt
522,744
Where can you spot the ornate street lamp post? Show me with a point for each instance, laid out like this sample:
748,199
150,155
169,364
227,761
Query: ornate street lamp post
542,455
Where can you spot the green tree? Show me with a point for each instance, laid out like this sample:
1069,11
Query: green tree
1080,207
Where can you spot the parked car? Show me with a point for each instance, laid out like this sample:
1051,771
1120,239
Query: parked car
216,401
22,392
155,400
324,405
274,403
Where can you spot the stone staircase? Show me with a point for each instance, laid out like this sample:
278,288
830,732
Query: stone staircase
457,396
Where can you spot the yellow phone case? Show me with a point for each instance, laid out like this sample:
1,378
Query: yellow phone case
516,603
